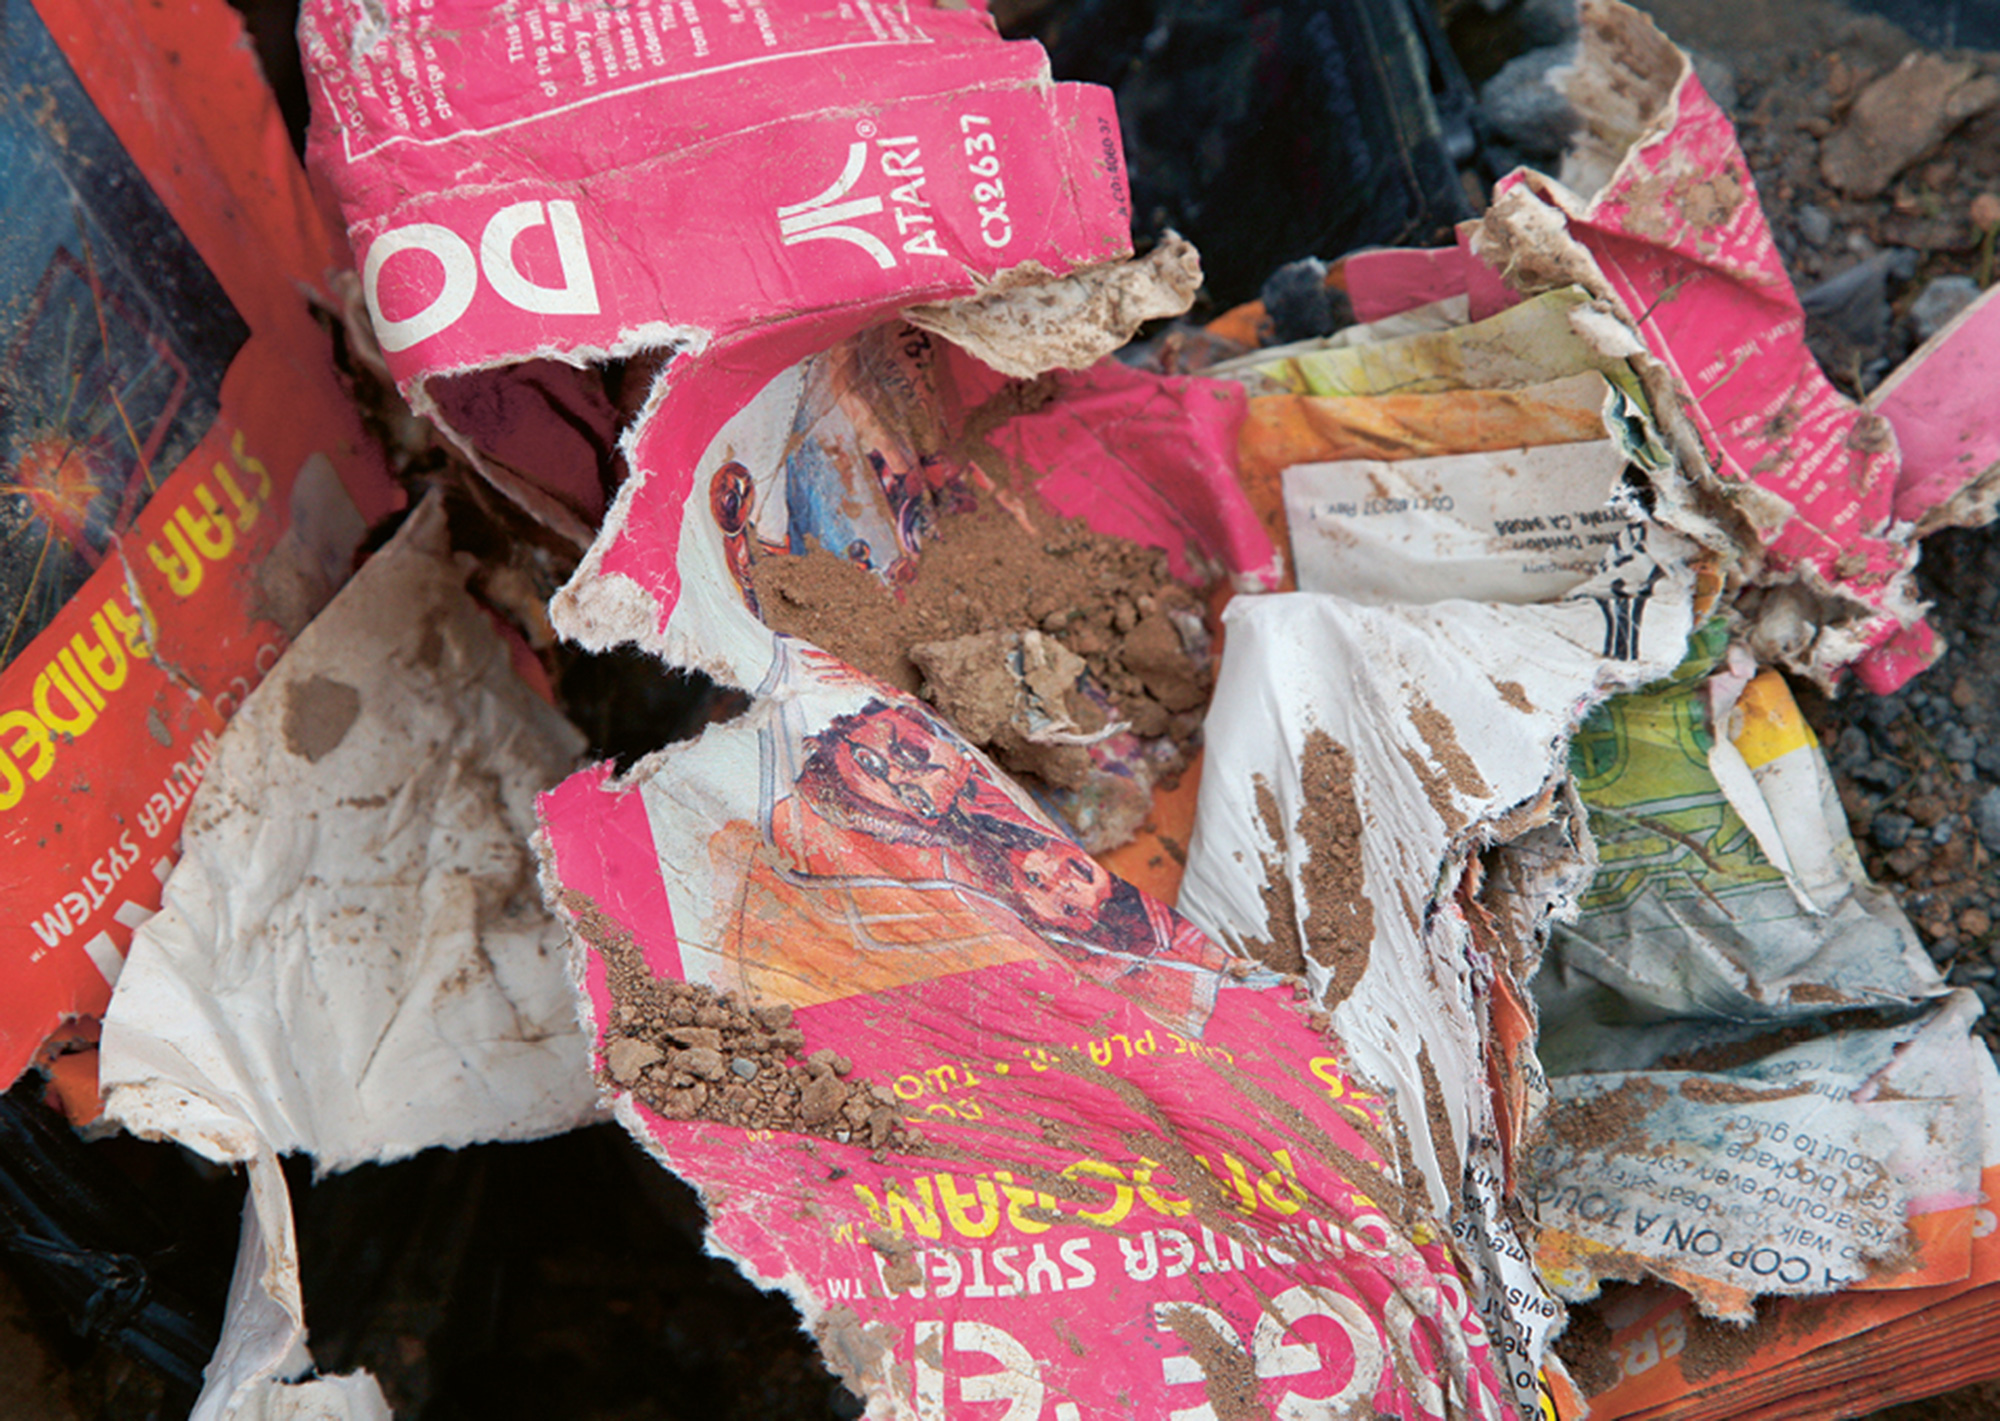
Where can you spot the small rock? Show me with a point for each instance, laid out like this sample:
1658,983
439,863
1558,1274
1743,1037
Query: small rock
697,1036
1882,711
1942,950
1904,862
1959,744
1962,694
1884,775
1942,831
626,1057
683,1104
1855,304
1926,808
1974,922
1300,303
1524,109
1718,76
1900,117
1815,224
1853,748
1986,820
703,1062
1941,300
1987,759
822,1099
743,1068
1891,831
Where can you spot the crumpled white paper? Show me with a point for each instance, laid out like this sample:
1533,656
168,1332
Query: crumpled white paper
353,959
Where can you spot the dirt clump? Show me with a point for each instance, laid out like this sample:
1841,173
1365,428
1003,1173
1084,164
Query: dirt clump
1035,635
693,1053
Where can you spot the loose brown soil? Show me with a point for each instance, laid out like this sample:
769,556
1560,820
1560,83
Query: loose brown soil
691,1052
1607,1122
1026,582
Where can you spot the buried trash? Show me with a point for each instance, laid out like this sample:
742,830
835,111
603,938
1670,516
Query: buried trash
1278,874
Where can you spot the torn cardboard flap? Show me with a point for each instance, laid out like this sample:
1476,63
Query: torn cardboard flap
975,1104
353,960
1658,215
1798,1173
666,186
862,449
1432,724
1760,1083
1690,919
355,906
187,478
1027,323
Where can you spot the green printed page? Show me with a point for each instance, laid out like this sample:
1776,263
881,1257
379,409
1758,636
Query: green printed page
1688,916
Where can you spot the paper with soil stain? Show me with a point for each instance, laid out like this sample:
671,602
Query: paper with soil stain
1657,215
904,507
1652,1347
353,960
1360,760
1803,1170
1468,503
1104,1101
1001,1126
1757,1077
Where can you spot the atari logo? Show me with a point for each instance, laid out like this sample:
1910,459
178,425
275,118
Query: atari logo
826,217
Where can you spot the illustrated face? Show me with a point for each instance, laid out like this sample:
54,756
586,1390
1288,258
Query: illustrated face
895,762
1062,886
730,494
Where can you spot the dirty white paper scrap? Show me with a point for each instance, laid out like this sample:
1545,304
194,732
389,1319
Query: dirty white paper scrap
353,959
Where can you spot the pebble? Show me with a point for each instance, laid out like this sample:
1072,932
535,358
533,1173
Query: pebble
1891,830
1856,302
1524,108
1718,76
1543,22
1975,922
1815,224
702,1062
1882,774
1882,711
1299,302
1986,820
743,1068
1942,951
1987,759
1959,744
625,1058
1942,831
1939,301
